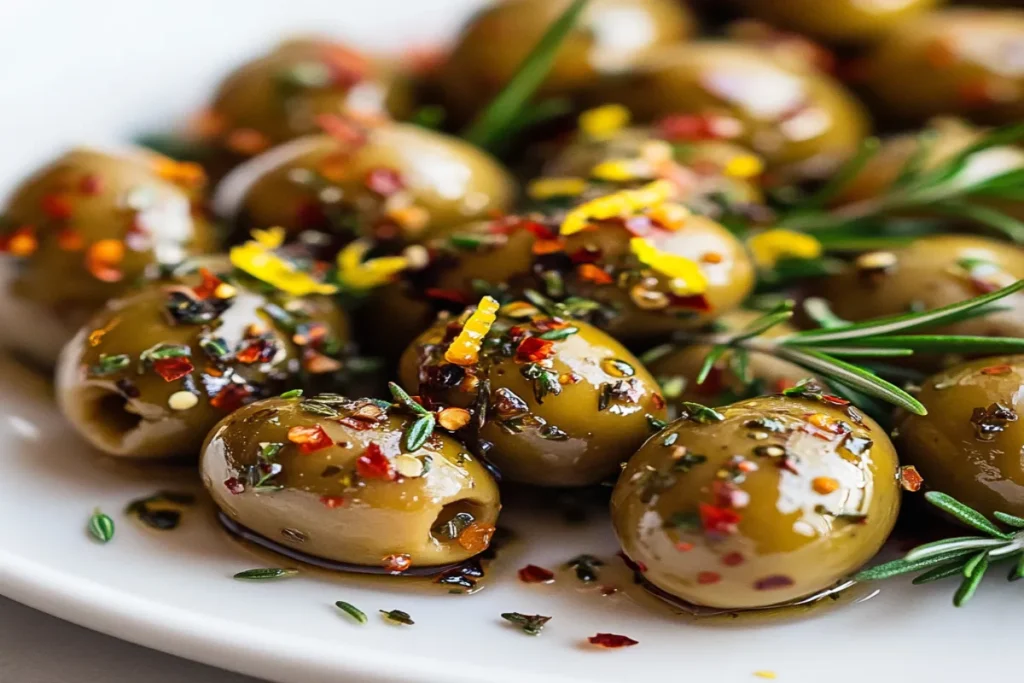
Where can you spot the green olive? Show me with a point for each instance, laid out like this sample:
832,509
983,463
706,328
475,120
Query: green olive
562,411
793,116
773,500
397,181
677,371
150,374
954,62
84,229
969,444
838,21
608,37
279,95
331,477
929,273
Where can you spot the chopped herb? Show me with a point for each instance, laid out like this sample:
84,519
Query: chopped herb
559,335
655,424
585,567
351,610
318,408
265,574
402,397
397,616
101,527
294,393
108,365
417,433
700,413
216,348
531,624
453,528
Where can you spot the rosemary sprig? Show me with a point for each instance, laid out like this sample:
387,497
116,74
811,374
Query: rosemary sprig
968,557
944,189
500,117
822,350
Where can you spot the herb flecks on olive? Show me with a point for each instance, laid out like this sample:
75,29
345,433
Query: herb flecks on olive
767,505
337,482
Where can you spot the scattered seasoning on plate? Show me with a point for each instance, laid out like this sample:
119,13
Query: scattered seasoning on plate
586,567
530,624
162,510
910,479
770,675
351,610
397,616
101,527
265,574
611,640
531,573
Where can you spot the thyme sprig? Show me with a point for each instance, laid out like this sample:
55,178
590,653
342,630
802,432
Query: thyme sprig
944,189
968,557
823,350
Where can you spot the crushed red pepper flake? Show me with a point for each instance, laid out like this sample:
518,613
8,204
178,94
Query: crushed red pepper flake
69,239
684,547
531,573
309,439
56,207
22,242
611,640
384,181
373,464
234,486
102,259
732,559
910,479
341,128
332,502
355,423
707,578
317,363
231,397
773,582
453,295
588,272
396,564
90,184
255,351
208,284
171,369
718,520
692,302
534,350
997,370
476,537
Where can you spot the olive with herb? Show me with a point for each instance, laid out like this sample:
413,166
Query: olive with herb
844,22
799,119
960,61
609,35
150,374
931,272
392,181
552,401
761,503
343,480
969,444
86,228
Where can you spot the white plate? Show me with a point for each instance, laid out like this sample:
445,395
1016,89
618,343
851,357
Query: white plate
172,591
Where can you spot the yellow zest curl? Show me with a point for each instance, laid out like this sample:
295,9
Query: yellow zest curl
622,203
603,122
354,273
257,258
769,247
744,166
465,350
546,188
686,276
617,170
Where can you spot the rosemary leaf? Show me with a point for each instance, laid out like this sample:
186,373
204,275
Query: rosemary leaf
820,311
418,432
763,324
265,574
402,396
972,564
965,514
494,122
101,526
970,583
714,354
351,610
943,571
864,351
1009,520
936,343
1006,225
968,543
1017,572
915,163
830,190
904,566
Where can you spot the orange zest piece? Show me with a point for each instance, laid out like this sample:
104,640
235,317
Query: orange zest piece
465,350
475,538
103,260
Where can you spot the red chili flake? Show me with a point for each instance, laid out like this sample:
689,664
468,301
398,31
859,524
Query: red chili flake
332,502
396,564
586,254
22,242
342,129
317,363
657,401
531,573
452,295
728,495
543,247
534,350
717,520
609,590
684,547
310,214
632,564
384,181
782,384
70,240
231,397
686,128
172,369
548,324
910,479
732,559
208,284
997,370
772,582
347,66
233,485
588,272
355,423
103,258
693,302
705,578
373,464
476,538
834,400
539,230
309,439
56,207
611,640
255,351
975,93
91,184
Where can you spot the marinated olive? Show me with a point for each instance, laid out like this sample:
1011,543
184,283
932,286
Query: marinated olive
838,21
788,114
553,402
768,501
280,95
394,180
959,61
84,229
969,444
335,478
149,375
929,273
733,376
607,38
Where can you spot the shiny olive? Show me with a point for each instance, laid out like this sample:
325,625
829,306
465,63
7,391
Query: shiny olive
84,229
332,477
150,374
932,272
565,403
789,114
677,370
395,180
279,95
838,21
771,500
959,61
607,38
969,445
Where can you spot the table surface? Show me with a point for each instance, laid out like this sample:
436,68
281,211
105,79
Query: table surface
38,648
